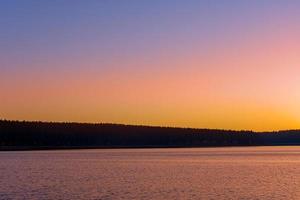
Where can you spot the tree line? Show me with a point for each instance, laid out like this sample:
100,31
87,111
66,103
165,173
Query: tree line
52,135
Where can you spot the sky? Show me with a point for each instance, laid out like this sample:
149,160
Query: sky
187,63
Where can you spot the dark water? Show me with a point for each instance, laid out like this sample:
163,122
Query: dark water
204,173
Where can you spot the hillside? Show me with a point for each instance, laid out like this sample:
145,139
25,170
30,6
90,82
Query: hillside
16,135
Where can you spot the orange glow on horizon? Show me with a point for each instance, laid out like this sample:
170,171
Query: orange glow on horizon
241,72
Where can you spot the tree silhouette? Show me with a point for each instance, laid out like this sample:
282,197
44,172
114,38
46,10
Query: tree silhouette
50,135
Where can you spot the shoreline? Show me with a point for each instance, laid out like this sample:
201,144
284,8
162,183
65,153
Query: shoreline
53,148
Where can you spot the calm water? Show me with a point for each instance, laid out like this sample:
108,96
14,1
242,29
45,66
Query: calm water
210,173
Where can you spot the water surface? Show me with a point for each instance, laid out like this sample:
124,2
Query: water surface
184,173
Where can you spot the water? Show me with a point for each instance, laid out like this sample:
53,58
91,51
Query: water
203,173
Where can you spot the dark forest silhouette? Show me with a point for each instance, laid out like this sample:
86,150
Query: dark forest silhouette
50,135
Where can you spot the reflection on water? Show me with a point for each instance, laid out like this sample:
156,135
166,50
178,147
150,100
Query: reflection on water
204,173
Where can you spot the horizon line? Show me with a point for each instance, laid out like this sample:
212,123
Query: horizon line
143,125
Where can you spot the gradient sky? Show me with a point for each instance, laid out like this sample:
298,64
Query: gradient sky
188,63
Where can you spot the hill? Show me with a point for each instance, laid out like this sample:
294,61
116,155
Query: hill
16,135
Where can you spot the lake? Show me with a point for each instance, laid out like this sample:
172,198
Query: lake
179,173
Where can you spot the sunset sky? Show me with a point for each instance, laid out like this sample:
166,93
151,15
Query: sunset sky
206,64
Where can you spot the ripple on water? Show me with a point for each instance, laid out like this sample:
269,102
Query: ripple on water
214,173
